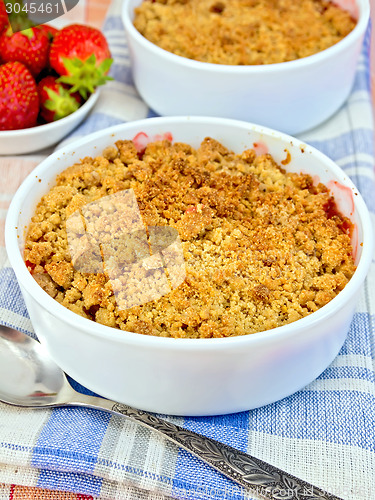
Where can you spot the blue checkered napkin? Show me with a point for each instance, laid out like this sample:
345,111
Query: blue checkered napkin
324,433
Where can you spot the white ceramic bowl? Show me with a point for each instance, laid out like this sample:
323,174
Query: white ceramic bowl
292,96
28,140
192,376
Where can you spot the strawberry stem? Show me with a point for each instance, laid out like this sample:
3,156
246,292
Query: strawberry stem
29,33
85,76
61,103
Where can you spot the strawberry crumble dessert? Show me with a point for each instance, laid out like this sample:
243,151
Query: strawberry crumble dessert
243,32
261,247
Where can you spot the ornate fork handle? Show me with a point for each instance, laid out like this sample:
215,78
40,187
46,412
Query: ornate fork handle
249,472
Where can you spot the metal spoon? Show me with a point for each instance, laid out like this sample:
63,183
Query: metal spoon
29,378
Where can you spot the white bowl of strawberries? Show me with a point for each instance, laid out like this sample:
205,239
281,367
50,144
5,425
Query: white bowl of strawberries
48,83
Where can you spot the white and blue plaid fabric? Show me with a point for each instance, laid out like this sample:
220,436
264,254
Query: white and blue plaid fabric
324,434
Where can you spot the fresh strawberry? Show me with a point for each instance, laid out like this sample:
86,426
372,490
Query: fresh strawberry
80,54
19,101
30,47
49,30
4,21
56,101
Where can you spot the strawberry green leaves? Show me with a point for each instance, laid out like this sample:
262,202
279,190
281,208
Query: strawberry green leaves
85,76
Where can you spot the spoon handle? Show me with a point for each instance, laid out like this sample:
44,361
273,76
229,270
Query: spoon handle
250,472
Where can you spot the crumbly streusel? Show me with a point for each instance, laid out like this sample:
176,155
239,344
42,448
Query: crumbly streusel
242,32
262,247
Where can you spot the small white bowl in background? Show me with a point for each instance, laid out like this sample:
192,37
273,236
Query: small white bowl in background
192,376
291,96
29,140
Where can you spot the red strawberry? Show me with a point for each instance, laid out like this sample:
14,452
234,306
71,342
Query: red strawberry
55,99
80,54
4,21
50,31
19,101
30,47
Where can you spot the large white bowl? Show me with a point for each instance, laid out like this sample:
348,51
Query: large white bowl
291,96
192,376
29,140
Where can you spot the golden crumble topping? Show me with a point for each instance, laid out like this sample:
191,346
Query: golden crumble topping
262,247
243,32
